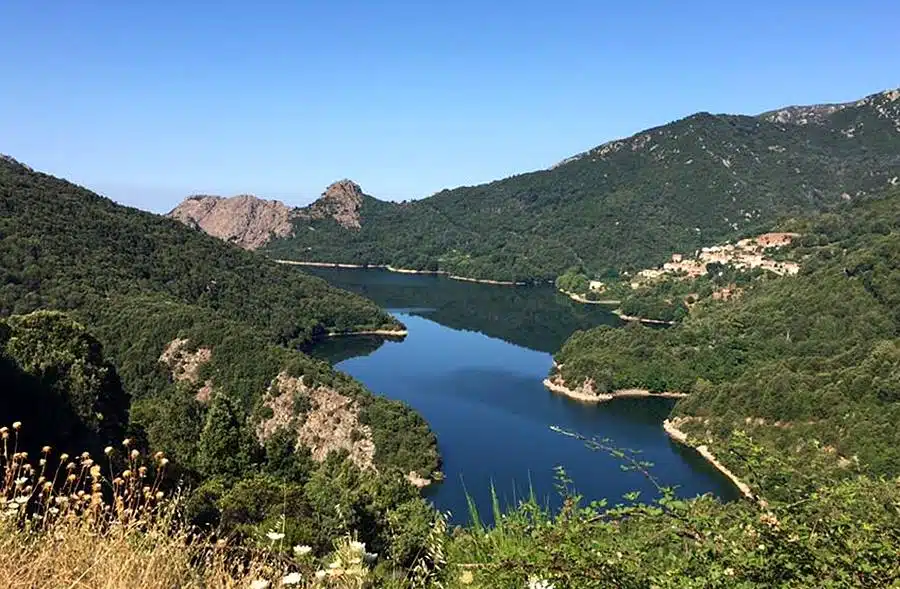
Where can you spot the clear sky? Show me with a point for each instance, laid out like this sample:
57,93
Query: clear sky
148,102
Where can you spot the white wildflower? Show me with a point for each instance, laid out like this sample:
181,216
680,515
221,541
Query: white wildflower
291,579
535,583
320,574
358,546
259,584
274,536
302,550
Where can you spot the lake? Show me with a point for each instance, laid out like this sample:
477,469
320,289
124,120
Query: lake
473,365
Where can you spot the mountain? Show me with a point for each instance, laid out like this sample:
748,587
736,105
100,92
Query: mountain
808,365
244,220
623,205
115,322
65,247
251,222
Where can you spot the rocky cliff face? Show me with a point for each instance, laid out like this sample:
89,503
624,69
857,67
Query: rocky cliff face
244,220
340,201
251,222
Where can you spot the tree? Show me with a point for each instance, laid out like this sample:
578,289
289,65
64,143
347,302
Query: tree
226,447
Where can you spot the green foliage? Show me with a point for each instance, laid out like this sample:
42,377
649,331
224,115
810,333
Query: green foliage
225,447
64,247
808,363
141,282
56,379
573,280
829,534
624,205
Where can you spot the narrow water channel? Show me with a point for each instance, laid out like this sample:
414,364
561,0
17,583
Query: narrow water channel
473,365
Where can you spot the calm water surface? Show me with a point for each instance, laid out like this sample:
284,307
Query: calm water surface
473,366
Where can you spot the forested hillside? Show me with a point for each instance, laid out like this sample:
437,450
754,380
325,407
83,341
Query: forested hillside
809,364
188,345
65,247
626,204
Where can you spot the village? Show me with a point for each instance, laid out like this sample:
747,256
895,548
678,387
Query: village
746,254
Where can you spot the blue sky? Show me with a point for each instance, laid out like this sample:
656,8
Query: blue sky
147,102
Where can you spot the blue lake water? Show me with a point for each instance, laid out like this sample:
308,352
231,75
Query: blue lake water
473,365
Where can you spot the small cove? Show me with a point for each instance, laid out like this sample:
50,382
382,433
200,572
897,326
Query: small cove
473,365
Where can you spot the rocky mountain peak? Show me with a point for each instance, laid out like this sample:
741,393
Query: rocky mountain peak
341,201
244,220
343,189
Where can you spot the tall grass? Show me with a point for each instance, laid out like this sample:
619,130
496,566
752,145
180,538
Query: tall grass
73,522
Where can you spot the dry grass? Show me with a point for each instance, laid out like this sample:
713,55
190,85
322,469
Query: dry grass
83,525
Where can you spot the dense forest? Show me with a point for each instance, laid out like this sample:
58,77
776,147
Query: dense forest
122,324
806,364
627,204
67,248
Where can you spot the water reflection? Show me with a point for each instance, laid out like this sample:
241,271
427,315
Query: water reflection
473,365
535,317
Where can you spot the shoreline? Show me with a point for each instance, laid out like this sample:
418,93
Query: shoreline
398,333
390,268
581,299
586,397
624,317
677,435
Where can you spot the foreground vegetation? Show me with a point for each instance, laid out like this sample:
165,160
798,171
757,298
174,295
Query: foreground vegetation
627,204
108,523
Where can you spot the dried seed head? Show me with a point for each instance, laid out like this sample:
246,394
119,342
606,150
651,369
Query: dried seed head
135,454
63,457
17,425
108,450
45,449
126,442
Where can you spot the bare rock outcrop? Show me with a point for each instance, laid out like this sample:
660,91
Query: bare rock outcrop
341,201
330,424
184,365
245,220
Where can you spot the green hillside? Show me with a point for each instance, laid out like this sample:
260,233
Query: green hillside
627,204
188,345
64,247
805,363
